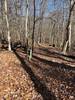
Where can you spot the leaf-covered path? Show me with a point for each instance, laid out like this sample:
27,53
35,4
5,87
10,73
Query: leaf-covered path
15,83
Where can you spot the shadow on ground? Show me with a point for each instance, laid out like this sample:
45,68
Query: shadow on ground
39,86
56,70
57,53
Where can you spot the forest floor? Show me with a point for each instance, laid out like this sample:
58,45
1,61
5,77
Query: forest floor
49,75
52,73
15,83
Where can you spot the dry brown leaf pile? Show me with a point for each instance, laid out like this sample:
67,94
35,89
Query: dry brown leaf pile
15,83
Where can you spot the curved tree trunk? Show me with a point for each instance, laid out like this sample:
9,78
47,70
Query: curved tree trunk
67,40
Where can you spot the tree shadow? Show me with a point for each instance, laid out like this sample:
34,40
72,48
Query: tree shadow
60,65
38,84
57,53
56,71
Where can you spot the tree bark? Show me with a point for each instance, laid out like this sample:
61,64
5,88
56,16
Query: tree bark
33,27
68,29
8,29
27,1
2,4
43,4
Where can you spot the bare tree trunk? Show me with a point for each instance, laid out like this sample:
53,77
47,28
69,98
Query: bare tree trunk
33,27
40,25
27,24
67,41
2,4
70,33
63,27
43,4
6,16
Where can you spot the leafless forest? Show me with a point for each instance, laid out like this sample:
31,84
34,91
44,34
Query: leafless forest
37,49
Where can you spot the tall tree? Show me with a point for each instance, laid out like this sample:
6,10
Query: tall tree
67,41
8,29
33,26
27,3
43,5
2,18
